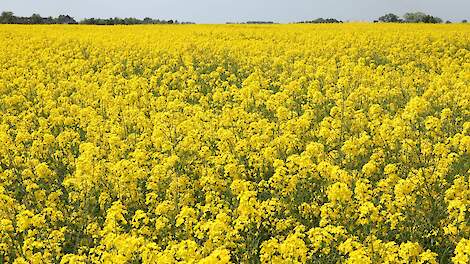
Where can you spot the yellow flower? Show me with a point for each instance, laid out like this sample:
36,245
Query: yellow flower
241,143
339,192
462,250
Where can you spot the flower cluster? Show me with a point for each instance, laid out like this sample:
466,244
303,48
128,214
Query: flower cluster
235,144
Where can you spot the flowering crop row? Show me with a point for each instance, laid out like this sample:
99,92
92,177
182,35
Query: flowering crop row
235,144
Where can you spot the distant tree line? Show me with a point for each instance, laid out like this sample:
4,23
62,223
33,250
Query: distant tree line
9,18
412,17
251,22
128,21
259,22
321,21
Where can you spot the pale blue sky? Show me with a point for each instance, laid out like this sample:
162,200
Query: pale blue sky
220,11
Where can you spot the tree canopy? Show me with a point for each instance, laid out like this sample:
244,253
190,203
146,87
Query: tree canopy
8,17
390,18
321,21
410,17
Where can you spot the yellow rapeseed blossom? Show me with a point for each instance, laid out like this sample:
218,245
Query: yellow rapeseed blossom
235,144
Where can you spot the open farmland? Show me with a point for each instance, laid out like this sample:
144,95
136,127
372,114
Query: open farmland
235,144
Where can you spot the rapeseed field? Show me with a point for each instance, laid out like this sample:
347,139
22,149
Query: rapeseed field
235,144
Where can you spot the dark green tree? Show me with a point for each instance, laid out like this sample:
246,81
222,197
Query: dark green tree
420,17
431,19
7,17
36,19
65,19
390,18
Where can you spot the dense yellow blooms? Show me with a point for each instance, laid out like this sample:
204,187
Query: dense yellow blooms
235,144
